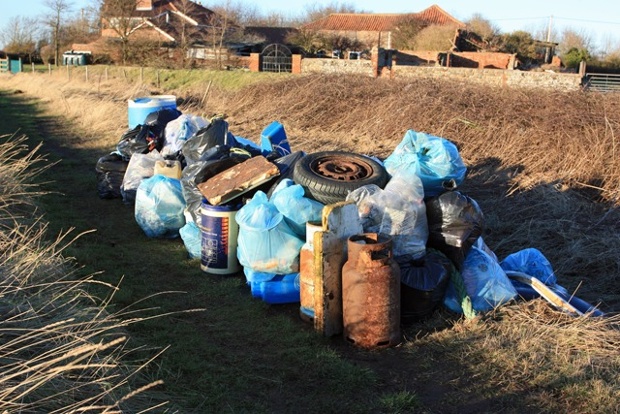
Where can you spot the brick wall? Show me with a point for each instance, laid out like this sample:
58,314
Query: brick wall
296,64
254,63
489,60
480,60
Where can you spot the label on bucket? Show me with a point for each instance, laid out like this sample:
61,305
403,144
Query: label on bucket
215,243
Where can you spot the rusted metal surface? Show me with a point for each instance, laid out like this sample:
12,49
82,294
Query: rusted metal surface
340,221
237,180
306,273
371,293
342,168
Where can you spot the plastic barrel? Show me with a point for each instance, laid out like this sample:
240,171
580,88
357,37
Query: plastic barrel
219,239
139,108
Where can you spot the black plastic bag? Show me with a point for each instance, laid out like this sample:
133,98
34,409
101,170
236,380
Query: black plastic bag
213,135
159,119
141,140
423,285
110,170
455,221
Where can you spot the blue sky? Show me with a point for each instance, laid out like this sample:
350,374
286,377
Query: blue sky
599,19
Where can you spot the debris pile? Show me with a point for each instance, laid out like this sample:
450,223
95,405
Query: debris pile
242,206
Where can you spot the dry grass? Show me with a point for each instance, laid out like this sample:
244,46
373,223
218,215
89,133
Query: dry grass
537,355
59,349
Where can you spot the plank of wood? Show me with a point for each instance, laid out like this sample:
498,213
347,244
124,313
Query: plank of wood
237,180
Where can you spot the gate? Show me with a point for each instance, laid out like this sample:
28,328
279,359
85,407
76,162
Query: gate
276,58
602,82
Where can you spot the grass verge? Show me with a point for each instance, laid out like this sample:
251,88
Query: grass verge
529,154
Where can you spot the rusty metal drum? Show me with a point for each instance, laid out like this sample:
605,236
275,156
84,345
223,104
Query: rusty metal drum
371,292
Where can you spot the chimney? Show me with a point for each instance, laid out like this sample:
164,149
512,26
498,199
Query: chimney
144,5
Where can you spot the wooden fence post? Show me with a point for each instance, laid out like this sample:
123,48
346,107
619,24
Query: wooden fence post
49,68
32,63
86,72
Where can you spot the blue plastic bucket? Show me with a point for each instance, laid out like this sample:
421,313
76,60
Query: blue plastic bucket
219,239
139,108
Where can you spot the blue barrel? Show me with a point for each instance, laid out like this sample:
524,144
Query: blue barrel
139,108
219,239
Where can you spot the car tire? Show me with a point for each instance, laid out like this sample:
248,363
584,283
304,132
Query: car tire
329,176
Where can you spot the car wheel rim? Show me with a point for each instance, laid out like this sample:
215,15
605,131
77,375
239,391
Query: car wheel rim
342,168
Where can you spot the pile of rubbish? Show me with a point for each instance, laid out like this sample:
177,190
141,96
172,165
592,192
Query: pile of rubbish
242,206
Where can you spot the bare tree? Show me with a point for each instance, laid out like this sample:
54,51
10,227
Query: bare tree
54,20
19,35
188,33
315,11
405,33
483,27
576,39
435,37
117,15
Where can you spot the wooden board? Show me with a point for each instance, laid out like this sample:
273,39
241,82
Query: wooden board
237,180
340,221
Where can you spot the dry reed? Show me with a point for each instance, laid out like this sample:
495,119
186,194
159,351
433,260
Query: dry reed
59,350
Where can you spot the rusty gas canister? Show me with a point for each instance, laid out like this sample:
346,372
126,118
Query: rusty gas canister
371,292
306,273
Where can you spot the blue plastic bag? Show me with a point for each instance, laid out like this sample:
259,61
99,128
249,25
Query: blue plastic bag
532,262
485,283
265,242
192,239
297,210
159,206
435,160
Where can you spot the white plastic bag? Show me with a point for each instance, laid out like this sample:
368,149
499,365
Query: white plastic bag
397,211
180,130
140,166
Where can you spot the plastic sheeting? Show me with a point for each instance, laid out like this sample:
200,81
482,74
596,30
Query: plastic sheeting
455,222
397,211
265,242
215,134
192,239
110,170
297,209
179,130
435,160
423,285
159,207
485,283
140,166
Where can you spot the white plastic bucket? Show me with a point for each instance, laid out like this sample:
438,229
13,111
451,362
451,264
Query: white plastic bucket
219,239
139,108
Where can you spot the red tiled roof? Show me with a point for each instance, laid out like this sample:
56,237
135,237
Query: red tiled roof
377,22
437,15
